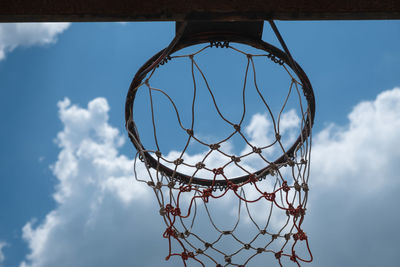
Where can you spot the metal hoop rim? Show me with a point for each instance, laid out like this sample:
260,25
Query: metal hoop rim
205,38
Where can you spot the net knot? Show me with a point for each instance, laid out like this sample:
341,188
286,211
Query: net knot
187,233
278,254
235,159
263,232
278,137
168,208
207,193
287,236
285,186
158,185
300,235
163,212
260,250
272,169
190,132
169,232
273,166
228,259
207,245
247,246
296,212
297,187
150,183
186,188
293,257
236,127
290,162
178,161
257,150
305,187
227,232
214,146
291,210
274,236
186,255
218,171
158,154
269,196
171,184
200,165
232,186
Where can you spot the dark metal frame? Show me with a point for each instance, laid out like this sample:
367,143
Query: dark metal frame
178,10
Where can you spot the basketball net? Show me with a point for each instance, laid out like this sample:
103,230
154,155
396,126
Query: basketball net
266,207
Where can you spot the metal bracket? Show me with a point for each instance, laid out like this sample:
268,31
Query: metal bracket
252,29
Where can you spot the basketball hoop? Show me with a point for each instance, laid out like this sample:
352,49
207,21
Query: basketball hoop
181,186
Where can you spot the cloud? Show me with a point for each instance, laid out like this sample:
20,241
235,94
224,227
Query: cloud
353,216
105,218
97,222
2,257
13,35
365,149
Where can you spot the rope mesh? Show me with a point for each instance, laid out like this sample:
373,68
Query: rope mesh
270,205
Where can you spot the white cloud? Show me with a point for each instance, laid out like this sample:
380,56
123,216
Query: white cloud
366,150
13,35
96,218
2,257
259,130
105,218
353,214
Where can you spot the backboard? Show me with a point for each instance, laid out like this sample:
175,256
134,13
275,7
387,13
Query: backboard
175,10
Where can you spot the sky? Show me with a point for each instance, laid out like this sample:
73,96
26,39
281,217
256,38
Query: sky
68,196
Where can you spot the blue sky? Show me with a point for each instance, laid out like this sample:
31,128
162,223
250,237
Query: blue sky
354,67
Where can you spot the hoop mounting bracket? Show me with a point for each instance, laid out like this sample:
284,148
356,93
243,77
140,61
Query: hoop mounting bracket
252,29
